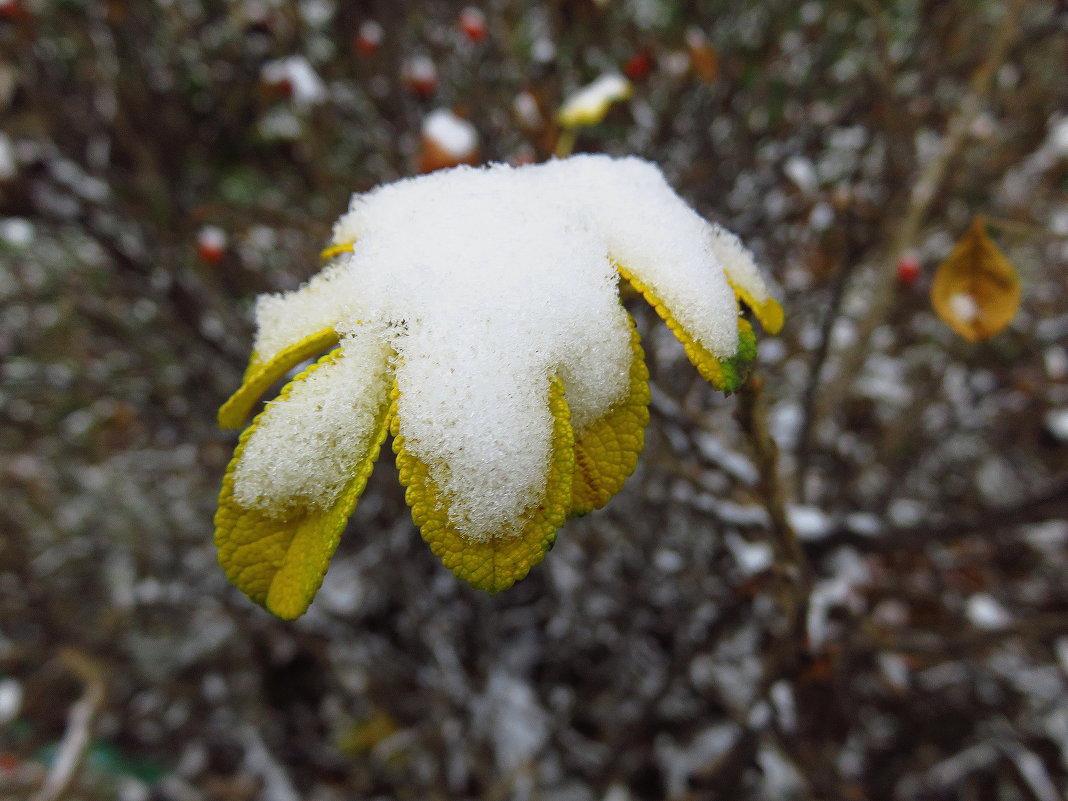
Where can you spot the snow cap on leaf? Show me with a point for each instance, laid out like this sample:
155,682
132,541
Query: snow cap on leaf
475,314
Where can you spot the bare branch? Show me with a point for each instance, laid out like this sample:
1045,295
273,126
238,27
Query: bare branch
80,722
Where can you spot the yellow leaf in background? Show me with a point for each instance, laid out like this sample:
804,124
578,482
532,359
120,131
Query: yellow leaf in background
590,104
363,735
976,290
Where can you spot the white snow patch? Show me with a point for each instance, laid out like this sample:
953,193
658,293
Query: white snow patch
809,522
894,669
679,762
308,444
8,165
737,262
17,231
1056,361
519,725
453,134
801,171
864,523
1057,423
778,776
371,33
751,557
849,573
737,465
211,236
10,700
1057,141
420,69
307,87
984,611
543,50
906,512
525,108
963,307
484,283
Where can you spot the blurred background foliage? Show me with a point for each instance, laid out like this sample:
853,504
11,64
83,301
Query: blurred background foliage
163,162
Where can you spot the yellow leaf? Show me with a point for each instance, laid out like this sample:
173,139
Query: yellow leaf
726,375
976,290
768,312
590,104
278,557
606,451
260,375
364,735
494,564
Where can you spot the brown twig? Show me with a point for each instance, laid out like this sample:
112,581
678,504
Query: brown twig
950,644
791,564
1048,505
80,722
850,249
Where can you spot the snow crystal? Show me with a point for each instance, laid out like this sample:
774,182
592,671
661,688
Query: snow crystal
456,136
483,283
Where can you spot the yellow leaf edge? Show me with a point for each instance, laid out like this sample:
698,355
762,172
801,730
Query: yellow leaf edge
607,451
768,312
495,564
279,558
260,375
726,375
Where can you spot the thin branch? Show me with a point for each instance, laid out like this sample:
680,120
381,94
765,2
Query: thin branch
791,564
1049,505
850,252
951,644
80,722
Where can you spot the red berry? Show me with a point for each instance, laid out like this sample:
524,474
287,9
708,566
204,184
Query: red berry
639,65
211,244
10,9
369,38
908,269
420,76
473,24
